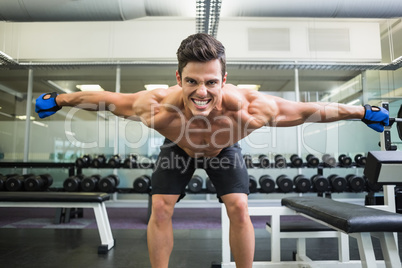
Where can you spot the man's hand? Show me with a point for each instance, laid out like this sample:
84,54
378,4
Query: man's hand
375,117
46,104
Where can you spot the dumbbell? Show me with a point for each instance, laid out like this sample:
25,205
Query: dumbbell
302,184
30,180
252,184
84,161
109,183
195,184
280,161
142,184
356,183
2,182
210,186
15,182
264,161
114,161
130,161
145,163
99,161
38,183
296,161
73,183
344,160
285,184
312,161
360,160
328,160
338,183
320,183
90,183
248,160
267,184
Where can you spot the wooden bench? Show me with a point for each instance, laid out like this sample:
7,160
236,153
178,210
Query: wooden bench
66,200
357,221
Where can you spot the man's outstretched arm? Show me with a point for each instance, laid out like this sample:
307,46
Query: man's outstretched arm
118,103
290,113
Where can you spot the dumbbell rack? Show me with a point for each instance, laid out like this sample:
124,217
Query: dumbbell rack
62,214
74,170
69,166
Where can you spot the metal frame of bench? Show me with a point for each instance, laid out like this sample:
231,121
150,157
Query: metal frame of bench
366,251
301,233
356,221
302,260
66,200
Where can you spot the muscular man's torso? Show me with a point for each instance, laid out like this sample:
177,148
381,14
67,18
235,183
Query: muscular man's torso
203,136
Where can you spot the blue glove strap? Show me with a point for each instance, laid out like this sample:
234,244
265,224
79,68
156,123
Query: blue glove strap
46,107
376,119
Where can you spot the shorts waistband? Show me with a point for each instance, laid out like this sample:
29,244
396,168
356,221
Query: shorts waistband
167,141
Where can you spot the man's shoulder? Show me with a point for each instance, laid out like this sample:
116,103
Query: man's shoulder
240,92
232,98
162,95
230,87
168,101
233,93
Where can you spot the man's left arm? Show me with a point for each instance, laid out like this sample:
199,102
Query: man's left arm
290,113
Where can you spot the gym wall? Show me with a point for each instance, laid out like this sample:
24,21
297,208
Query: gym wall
59,139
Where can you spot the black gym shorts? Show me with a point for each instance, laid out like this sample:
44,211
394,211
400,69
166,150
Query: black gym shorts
174,169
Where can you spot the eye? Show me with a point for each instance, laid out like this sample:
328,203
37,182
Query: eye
212,83
191,81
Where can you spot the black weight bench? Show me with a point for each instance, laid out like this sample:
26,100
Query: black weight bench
357,221
66,200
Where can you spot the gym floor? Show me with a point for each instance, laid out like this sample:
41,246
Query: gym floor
69,245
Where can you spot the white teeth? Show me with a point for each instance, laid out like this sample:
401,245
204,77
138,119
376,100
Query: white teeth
200,103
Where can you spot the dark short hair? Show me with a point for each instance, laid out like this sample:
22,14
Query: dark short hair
201,47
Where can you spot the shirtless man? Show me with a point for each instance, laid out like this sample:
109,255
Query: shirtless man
203,118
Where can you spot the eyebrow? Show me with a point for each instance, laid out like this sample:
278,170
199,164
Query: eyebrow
208,80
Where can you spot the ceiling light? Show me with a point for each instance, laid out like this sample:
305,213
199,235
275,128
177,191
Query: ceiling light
338,90
155,86
353,102
90,87
69,133
24,117
40,124
55,85
255,87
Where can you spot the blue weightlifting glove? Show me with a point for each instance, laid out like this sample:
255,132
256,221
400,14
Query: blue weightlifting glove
46,104
375,117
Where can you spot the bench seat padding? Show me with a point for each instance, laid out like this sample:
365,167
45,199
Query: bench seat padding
300,224
53,197
350,218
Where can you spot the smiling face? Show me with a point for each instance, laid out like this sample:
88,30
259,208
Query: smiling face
202,83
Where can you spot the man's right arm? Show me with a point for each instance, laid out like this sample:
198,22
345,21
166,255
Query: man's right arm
117,103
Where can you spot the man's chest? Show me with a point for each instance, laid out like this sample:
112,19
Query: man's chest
204,133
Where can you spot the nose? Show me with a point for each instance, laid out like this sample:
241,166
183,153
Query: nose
202,91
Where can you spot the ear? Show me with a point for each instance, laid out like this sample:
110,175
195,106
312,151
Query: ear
178,78
224,79
219,104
